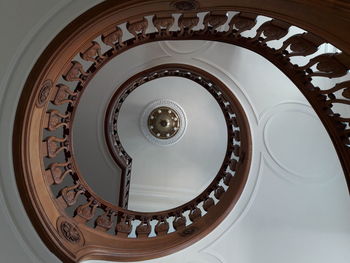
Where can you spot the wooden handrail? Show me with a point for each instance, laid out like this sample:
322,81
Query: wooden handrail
70,238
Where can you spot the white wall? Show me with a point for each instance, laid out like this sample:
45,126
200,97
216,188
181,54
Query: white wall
26,28
295,207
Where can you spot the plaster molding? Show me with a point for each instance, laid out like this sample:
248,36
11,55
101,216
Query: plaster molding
169,48
276,162
203,257
232,82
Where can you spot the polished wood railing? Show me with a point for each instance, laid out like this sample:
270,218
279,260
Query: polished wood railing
233,115
98,229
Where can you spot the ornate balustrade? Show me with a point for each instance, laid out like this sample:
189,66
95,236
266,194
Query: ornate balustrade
99,229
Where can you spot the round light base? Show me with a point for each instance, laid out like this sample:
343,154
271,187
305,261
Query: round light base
163,112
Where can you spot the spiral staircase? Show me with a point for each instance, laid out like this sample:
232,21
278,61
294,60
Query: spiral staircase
176,131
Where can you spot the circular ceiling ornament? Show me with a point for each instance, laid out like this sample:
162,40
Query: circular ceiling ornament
238,152
163,122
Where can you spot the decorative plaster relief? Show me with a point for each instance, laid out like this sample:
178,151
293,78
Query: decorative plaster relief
297,144
203,257
185,48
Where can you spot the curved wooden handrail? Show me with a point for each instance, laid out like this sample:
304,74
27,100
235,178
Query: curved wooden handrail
58,78
235,132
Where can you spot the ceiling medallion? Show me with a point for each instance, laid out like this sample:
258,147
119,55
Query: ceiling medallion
163,122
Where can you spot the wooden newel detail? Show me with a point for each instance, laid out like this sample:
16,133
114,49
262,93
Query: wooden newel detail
328,65
301,45
237,135
44,93
344,87
208,203
58,171
144,228
105,222
272,30
138,28
92,53
163,24
124,227
219,192
187,23
233,164
71,194
236,150
86,212
64,95
195,214
179,223
69,232
54,145
227,178
75,72
213,20
233,121
241,22
113,37
162,227
54,120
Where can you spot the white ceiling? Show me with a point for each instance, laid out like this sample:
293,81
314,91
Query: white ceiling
295,207
183,169
188,166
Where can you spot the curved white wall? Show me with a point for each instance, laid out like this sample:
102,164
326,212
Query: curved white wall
295,207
